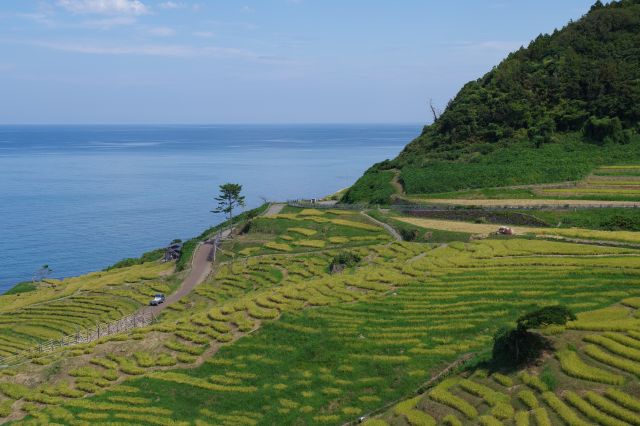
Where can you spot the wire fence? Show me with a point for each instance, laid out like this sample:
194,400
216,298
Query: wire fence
85,335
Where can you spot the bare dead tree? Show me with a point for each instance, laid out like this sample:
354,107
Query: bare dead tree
434,110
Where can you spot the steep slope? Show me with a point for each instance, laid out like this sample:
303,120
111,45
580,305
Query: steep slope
549,112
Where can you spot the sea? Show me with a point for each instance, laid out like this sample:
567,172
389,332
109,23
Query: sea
80,198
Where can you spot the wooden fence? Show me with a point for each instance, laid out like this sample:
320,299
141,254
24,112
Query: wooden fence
85,335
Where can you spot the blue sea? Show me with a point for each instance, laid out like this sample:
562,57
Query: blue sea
80,198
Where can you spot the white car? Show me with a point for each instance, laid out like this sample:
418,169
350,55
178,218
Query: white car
157,300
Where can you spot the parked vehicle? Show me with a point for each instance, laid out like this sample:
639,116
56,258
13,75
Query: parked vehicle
158,299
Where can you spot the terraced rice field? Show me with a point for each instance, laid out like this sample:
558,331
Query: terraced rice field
607,181
607,186
569,233
273,338
330,348
592,379
60,308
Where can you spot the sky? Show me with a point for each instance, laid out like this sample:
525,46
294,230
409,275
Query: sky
254,61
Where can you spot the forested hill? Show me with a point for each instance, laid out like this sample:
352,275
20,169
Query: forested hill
576,90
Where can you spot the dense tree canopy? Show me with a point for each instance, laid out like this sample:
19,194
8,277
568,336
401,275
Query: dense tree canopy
589,70
580,84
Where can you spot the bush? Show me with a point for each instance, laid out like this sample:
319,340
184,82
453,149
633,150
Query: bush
344,259
605,130
409,234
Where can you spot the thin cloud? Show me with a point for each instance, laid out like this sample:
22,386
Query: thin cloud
172,50
108,23
162,32
204,34
109,7
171,5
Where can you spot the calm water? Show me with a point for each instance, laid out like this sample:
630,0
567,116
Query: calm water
80,198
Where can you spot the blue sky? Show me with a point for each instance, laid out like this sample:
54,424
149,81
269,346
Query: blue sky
267,61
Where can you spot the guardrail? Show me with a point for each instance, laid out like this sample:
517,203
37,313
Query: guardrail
86,335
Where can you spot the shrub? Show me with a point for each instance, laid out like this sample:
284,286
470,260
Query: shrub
548,378
605,130
409,234
344,259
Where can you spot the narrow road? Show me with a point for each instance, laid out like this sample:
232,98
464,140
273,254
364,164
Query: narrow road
390,229
273,209
200,270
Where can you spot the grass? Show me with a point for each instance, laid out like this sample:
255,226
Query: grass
23,287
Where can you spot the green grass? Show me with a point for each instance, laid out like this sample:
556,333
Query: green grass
373,187
23,287
609,219
569,159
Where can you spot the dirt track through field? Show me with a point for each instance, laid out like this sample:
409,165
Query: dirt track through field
388,228
568,234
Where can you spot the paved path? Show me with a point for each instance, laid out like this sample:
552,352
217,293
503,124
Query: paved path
390,229
200,270
274,209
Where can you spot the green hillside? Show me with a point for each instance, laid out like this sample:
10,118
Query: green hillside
550,112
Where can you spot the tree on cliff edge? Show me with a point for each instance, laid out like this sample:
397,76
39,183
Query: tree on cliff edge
229,199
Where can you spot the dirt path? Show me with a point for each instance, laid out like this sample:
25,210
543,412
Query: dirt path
579,235
273,209
389,228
